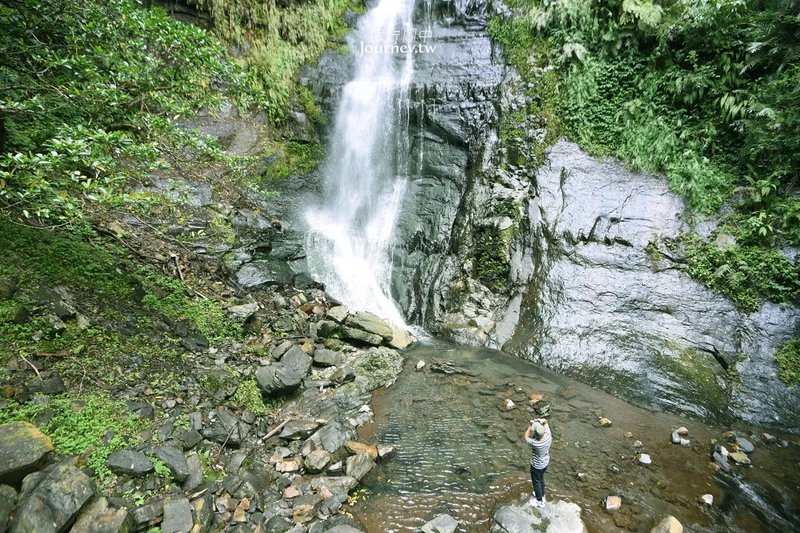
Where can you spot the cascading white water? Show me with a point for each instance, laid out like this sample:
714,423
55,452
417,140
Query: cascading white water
350,236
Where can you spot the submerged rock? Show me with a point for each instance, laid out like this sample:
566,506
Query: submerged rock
444,523
669,524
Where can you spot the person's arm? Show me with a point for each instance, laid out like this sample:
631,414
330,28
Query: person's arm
528,433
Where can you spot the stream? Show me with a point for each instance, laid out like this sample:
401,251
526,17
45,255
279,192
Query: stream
459,453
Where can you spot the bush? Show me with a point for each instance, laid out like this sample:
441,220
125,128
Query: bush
788,360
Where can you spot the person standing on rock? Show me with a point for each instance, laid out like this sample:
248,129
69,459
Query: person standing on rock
539,438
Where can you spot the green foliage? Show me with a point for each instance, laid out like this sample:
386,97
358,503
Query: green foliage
93,426
788,359
168,297
748,275
706,92
279,37
88,91
248,396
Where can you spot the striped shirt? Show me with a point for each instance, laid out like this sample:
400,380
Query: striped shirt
540,449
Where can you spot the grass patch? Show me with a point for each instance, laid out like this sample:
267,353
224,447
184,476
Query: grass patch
248,396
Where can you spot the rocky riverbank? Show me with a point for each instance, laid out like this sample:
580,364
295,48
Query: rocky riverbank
200,464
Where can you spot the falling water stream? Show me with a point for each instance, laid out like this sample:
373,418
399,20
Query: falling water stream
366,170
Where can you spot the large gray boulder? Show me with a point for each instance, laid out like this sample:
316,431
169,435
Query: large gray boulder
23,449
54,500
8,498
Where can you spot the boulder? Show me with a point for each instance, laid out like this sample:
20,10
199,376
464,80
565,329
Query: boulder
148,514
443,523
355,448
324,357
334,484
361,336
745,445
333,436
285,376
669,524
23,449
401,338
265,272
100,518
129,463
174,459
298,429
316,461
54,500
338,313
385,450
8,498
195,472
304,508
740,458
177,516
370,323
242,313
226,428
359,465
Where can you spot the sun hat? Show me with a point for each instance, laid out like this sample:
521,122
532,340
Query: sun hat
538,430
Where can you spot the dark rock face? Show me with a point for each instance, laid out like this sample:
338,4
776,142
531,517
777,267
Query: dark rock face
53,502
22,449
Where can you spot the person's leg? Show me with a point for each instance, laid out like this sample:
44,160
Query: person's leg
542,481
538,482
533,478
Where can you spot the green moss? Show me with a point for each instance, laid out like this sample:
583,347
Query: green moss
290,158
93,426
748,275
309,105
788,360
248,396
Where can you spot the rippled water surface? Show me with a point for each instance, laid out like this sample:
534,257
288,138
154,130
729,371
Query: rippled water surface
459,453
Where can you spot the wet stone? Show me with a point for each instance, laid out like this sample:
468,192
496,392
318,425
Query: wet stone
175,461
177,516
8,498
129,462
22,449
612,503
745,445
99,517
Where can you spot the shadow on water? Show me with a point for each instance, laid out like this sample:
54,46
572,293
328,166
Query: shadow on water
459,453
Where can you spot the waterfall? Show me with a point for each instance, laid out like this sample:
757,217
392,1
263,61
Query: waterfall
350,237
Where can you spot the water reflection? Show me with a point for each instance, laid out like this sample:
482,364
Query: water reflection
459,453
